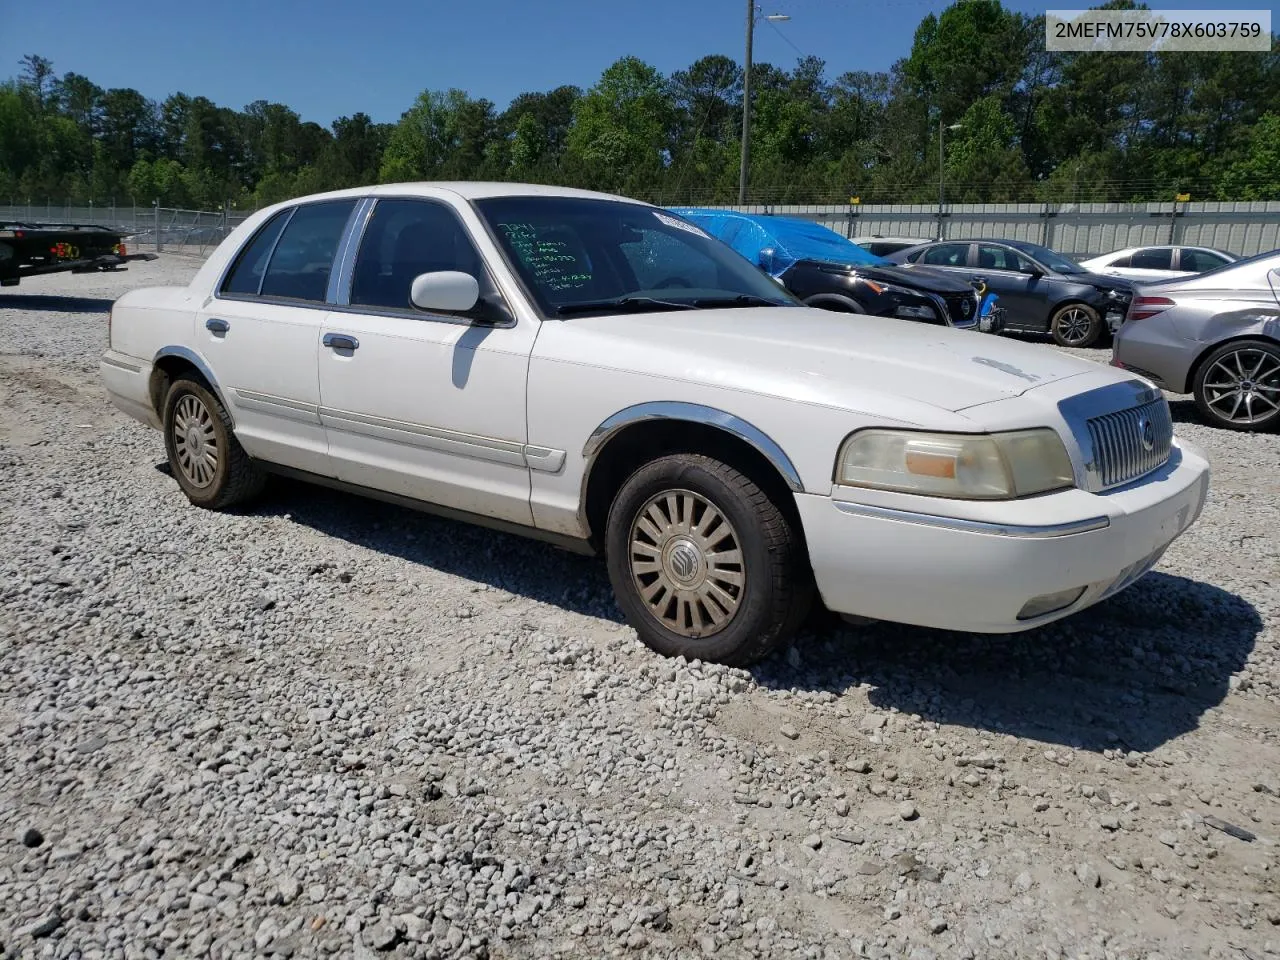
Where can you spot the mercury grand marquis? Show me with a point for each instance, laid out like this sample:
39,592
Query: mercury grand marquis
602,374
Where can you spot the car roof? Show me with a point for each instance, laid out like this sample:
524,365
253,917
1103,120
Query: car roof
467,189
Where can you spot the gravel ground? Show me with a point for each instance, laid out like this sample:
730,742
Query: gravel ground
327,726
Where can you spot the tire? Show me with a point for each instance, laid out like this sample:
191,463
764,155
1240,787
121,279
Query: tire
1076,325
204,456
1237,386
714,619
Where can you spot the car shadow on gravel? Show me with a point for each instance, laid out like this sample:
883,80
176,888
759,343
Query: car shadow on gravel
28,301
1185,411
1133,672
504,561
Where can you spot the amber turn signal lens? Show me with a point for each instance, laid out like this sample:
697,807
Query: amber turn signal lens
931,465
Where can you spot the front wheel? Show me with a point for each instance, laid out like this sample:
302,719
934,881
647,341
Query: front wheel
1076,325
1237,387
703,563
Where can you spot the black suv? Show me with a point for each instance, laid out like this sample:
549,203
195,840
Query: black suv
1040,290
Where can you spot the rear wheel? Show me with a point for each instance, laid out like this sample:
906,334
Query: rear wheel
703,563
1237,387
206,459
1076,325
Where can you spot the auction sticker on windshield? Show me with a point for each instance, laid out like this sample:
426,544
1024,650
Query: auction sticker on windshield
679,224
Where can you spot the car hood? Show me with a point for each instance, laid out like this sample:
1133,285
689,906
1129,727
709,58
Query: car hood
1105,281
853,362
919,278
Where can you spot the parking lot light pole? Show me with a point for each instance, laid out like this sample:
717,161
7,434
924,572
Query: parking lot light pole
753,13
941,196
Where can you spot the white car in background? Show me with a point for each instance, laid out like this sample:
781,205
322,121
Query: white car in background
603,374
1158,263
883,246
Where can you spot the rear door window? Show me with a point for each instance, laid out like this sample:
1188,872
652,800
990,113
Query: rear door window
946,255
1198,261
992,257
1152,259
303,259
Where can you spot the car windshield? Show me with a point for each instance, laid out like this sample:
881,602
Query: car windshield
1054,261
580,255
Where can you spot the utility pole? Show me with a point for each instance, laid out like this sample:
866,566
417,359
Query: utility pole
940,189
746,107
941,197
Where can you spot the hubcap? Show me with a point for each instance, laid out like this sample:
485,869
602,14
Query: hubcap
1073,325
1244,386
194,442
686,562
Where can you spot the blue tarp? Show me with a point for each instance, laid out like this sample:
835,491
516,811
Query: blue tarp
775,243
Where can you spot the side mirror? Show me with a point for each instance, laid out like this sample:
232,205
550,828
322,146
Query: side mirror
445,290
1031,270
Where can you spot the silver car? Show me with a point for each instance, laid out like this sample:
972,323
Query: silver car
1216,336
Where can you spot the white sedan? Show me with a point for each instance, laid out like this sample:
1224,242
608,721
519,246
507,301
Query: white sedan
1158,263
602,374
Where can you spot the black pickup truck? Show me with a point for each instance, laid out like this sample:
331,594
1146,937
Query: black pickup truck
32,249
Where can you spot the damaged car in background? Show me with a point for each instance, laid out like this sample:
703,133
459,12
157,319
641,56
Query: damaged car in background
1216,336
825,270
1041,290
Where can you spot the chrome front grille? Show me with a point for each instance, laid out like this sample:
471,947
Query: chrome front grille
1130,443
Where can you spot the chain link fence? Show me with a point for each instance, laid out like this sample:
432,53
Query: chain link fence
154,228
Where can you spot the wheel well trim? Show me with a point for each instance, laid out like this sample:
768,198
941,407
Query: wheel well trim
827,297
197,361
692,413
1073,301
1194,367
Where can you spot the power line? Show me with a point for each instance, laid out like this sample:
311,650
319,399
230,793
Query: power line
786,39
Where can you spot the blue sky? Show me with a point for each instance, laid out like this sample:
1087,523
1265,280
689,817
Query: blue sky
327,58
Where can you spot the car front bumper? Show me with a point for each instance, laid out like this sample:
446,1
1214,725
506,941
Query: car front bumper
892,557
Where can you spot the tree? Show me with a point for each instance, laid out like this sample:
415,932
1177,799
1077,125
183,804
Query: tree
1036,124
37,77
439,129
620,134
983,162
1254,174
129,126
80,99
530,135
352,155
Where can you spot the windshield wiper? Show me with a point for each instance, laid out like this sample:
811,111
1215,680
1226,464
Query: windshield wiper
635,304
742,300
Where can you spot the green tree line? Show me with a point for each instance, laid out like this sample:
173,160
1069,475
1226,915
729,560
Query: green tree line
1032,125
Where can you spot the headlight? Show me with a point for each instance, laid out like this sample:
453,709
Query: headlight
912,311
998,466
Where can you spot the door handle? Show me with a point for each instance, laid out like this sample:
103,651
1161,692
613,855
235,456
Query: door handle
981,280
340,341
214,325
